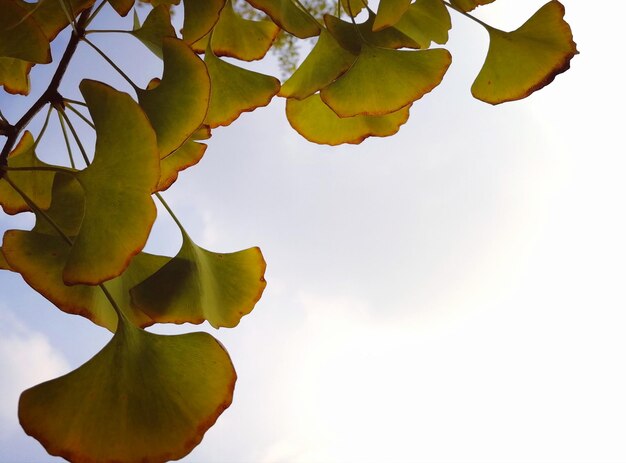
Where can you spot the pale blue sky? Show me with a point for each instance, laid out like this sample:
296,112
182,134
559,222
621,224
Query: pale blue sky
452,293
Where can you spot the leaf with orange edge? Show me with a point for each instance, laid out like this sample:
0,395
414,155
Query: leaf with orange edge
50,14
469,5
200,17
37,184
316,122
20,35
407,76
198,285
178,105
241,38
521,62
117,185
289,16
235,90
389,12
154,29
144,397
426,21
186,156
14,75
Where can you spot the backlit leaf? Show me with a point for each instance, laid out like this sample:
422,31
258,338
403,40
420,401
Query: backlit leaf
117,186
178,104
199,285
407,76
50,14
36,184
235,90
20,35
200,17
353,7
186,156
289,17
316,122
155,28
14,75
469,5
426,21
527,59
241,38
4,265
122,6
389,12
143,398
327,61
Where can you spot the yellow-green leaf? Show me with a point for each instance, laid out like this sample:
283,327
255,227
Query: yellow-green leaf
527,59
199,18
426,21
20,35
316,122
289,16
14,75
198,285
118,186
155,28
241,38
353,7
469,5
389,12
143,398
37,184
186,156
407,76
50,14
326,61
235,90
178,104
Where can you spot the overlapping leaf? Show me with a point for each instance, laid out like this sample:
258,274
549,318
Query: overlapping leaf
426,21
20,35
389,12
235,90
122,7
14,75
198,285
143,397
200,17
316,122
353,7
154,29
469,5
186,156
51,15
37,184
407,76
527,59
178,105
117,186
289,16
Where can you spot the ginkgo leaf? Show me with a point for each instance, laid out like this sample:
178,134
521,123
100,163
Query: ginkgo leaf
407,76
469,5
426,21
241,38
37,184
122,7
155,28
20,35
178,104
520,62
326,61
198,285
352,38
389,12
235,90
186,156
4,265
199,18
14,75
316,122
118,186
289,16
156,3
51,15
143,398
353,7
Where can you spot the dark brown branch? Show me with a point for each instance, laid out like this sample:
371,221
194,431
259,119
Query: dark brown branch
51,95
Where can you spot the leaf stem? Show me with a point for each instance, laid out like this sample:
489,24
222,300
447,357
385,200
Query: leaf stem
67,140
45,126
76,137
95,13
171,213
113,65
81,103
79,114
63,170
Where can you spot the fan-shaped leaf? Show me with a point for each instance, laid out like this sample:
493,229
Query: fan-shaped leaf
155,28
50,14
117,186
527,59
316,122
235,90
389,12
36,184
143,397
469,5
241,38
200,17
14,75
199,285
4,265
20,35
289,17
178,104
426,21
364,90
186,156
327,61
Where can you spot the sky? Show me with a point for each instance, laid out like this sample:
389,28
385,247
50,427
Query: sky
453,293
